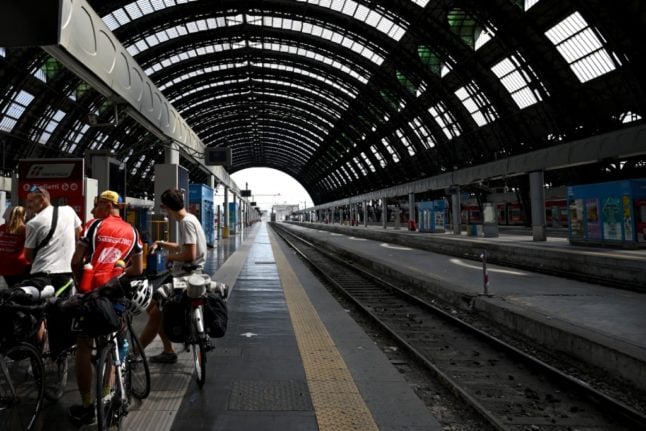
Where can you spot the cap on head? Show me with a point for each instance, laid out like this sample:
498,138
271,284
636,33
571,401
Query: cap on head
111,196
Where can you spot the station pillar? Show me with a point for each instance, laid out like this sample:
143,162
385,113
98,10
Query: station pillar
537,202
225,219
455,214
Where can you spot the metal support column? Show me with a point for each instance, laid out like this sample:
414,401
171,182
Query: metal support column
455,215
537,202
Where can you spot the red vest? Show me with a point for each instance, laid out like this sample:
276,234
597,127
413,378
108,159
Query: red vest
12,253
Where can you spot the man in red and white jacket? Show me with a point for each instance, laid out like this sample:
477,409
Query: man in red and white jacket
107,239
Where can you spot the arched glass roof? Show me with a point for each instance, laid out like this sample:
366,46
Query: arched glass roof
346,96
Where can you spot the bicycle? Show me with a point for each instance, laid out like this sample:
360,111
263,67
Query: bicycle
190,292
120,375
22,375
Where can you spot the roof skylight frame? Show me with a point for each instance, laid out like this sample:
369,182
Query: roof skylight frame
380,157
15,110
406,142
582,48
392,151
321,31
360,12
422,133
517,81
54,120
445,119
367,162
477,103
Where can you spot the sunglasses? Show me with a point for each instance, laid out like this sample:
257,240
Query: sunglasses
37,189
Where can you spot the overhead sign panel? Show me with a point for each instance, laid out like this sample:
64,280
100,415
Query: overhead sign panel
217,156
29,22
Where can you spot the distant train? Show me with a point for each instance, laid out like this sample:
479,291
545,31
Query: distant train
513,214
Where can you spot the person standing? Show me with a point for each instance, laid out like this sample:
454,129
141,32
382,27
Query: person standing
14,266
107,240
189,248
51,258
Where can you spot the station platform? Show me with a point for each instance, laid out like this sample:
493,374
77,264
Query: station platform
292,359
600,324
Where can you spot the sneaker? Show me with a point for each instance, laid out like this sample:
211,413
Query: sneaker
81,415
164,358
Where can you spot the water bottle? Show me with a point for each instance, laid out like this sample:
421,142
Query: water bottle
123,349
85,285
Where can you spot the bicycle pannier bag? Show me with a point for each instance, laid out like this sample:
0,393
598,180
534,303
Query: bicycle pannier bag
18,326
96,316
174,318
215,315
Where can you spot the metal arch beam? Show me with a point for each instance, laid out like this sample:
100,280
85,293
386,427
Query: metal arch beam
89,49
174,47
252,75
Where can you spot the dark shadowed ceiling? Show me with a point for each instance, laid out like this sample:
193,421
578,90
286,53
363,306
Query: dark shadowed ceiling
347,96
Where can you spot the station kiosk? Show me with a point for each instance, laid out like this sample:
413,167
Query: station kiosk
432,216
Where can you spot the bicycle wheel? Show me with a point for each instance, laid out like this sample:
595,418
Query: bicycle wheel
108,402
22,369
199,355
137,371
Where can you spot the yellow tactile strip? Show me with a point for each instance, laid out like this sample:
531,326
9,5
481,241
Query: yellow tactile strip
338,405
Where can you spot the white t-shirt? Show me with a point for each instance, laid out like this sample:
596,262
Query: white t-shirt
55,257
190,232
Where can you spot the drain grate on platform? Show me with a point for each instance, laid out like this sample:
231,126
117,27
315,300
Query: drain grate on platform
269,396
268,262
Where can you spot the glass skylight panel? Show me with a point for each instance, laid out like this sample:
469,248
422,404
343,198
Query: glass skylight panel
325,33
485,36
421,3
14,111
137,9
391,150
404,140
134,11
311,74
530,3
580,46
445,120
367,161
629,117
378,156
516,81
51,126
358,163
39,73
422,133
352,170
364,14
2,52
341,176
477,104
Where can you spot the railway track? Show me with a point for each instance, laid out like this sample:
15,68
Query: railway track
510,389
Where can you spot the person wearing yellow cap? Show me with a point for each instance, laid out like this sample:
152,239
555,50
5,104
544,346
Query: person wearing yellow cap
107,241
